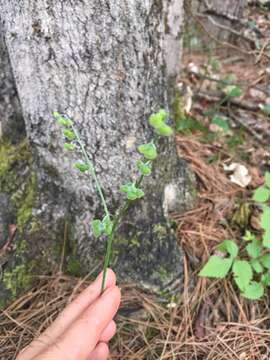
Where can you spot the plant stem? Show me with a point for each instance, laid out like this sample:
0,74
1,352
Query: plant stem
92,170
121,212
116,221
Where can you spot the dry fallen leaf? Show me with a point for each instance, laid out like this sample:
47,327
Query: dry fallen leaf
240,175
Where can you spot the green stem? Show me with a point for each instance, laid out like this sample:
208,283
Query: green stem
116,222
121,212
92,170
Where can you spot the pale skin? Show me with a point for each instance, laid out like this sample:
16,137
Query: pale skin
83,329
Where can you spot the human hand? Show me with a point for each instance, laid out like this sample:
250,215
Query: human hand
82,329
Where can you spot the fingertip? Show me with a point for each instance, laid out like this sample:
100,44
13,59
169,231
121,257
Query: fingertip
110,278
108,333
101,352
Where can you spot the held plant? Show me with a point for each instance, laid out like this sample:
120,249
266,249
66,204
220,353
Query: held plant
250,268
108,225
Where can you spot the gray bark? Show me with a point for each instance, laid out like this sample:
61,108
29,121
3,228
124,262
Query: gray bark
107,65
11,120
228,13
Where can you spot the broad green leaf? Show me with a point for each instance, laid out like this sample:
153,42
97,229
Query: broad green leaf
265,261
216,267
69,134
265,279
233,91
158,118
107,225
267,178
266,239
97,227
131,191
221,122
256,265
242,272
145,169
149,151
82,166
254,248
253,291
69,146
230,247
261,194
265,218
248,236
164,130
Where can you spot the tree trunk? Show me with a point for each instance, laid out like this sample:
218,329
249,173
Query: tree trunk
11,120
107,65
220,14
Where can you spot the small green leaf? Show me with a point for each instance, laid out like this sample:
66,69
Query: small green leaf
158,118
267,178
230,247
265,279
221,122
69,146
233,91
82,166
216,267
265,218
261,194
164,130
265,108
144,168
97,227
266,238
248,236
265,261
131,191
56,114
256,265
69,134
61,119
253,291
254,248
215,65
149,151
107,225
242,273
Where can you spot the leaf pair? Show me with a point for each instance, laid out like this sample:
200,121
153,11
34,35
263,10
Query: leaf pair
102,227
149,151
62,120
157,121
131,191
144,168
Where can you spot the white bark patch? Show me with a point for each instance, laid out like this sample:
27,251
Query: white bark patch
173,24
170,201
130,142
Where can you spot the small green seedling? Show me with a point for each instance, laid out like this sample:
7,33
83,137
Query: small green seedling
251,268
108,225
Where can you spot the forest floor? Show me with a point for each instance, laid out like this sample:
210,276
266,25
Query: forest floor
209,319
